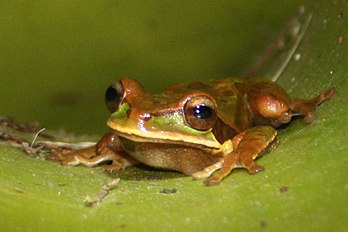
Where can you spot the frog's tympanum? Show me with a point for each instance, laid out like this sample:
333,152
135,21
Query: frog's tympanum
203,129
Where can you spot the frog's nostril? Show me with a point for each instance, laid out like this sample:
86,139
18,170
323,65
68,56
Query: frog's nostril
146,116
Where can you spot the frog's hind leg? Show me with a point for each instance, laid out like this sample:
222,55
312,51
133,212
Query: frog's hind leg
106,151
114,160
87,157
248,146
271,105
307,108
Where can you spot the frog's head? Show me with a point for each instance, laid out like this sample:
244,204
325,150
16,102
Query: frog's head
176,118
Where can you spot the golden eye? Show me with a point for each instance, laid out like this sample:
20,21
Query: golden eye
114,96
200,112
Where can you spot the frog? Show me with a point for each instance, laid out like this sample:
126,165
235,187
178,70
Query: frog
203,129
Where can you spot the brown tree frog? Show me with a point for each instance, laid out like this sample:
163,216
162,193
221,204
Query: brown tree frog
203,129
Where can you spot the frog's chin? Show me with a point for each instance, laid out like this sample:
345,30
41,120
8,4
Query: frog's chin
170,140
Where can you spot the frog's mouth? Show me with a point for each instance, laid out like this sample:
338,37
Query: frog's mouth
169,138
153,139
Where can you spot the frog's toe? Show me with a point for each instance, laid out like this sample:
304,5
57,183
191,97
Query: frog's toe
255,169
200,175
214,180
218,176
309,117
208,171
113,167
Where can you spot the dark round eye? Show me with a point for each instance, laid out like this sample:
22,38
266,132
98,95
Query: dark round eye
200,112
114,96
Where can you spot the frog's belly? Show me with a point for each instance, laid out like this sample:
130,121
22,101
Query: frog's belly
182,158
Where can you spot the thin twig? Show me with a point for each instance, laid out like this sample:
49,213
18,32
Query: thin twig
90,201
36,135
73,146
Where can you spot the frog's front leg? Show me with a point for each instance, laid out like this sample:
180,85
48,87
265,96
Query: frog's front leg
108,149
247,146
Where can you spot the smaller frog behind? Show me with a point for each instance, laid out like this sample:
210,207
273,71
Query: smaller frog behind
203,129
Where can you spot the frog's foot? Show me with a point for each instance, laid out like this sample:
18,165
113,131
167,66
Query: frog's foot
87,156
231,162
119,161
67,157
77,158
106,151
116,166
307,108
248,146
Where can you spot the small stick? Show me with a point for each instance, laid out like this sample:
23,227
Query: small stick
73,146
35,137
90,201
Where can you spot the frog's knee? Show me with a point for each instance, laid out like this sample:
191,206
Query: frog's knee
268,109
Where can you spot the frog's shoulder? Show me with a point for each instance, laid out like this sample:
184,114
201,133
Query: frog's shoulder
232,101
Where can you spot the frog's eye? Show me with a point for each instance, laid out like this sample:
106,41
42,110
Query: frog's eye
200,112
113,96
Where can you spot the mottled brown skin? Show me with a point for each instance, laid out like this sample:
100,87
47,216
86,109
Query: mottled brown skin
241,119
